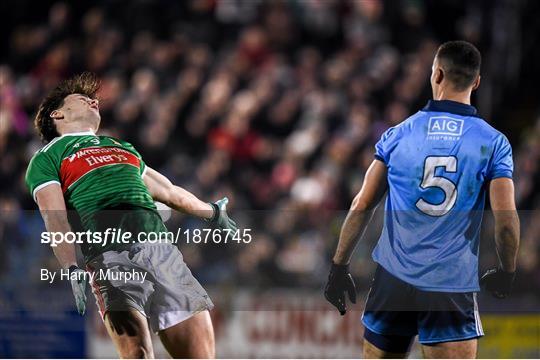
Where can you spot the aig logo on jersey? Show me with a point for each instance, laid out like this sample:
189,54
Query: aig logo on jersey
444,128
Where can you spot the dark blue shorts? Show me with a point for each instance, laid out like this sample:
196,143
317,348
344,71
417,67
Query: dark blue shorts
396,310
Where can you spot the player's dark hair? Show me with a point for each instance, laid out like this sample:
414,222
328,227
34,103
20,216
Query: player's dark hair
85,84
461,62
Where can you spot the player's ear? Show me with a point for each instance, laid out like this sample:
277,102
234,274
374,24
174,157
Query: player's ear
57,115
476,83
439,75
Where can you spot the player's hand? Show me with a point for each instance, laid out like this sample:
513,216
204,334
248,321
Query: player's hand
498,282
340,281
78,286
220,217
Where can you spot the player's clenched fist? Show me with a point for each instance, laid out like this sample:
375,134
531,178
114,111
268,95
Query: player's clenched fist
78,286
498,282
340,281
220,217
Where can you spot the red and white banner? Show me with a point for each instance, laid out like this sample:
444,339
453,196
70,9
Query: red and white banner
286,325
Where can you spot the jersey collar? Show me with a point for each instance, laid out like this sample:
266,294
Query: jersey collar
450,106
81,133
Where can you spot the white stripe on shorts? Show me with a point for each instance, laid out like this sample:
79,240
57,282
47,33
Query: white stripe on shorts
477,321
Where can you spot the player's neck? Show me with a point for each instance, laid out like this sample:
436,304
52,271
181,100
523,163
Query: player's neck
76,128
461,97
78,131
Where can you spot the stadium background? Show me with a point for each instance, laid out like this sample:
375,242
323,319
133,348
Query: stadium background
276,104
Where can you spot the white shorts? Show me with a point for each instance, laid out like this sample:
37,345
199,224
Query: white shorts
151,278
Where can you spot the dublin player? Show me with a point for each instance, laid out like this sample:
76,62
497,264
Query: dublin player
437,166
107,184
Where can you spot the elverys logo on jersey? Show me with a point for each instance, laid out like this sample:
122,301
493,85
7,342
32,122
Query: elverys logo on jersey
86,160
444,128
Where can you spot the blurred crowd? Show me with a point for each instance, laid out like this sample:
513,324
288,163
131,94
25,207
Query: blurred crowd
276,105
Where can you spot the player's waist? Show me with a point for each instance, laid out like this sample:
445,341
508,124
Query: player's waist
458,273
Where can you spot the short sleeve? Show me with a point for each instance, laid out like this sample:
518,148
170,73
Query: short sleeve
143,167
502,164
40,173
386,144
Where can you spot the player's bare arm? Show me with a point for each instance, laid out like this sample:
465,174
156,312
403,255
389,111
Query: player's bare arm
50,200
163,190
501,195
53,210
360,213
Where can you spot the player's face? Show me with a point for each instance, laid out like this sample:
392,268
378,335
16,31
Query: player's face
81,108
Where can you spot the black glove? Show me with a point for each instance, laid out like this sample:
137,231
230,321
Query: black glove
498,282
339,282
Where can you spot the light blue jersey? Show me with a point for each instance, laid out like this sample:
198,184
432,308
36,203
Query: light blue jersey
439,162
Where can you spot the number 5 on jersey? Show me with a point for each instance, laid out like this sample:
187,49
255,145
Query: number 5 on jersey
449,165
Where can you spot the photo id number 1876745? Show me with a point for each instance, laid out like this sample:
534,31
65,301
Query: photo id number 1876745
217,236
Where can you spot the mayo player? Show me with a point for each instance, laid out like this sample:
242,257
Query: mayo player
106,182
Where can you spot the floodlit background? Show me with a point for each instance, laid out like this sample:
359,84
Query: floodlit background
277,105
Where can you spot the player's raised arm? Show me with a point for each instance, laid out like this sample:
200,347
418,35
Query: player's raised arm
360,213
163,190
501,195
50,200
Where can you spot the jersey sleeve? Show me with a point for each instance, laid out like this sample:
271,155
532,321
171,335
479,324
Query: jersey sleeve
502,164
386,144
41,172
143,167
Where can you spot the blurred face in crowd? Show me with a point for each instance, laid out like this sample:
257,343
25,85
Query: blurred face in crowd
78,113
